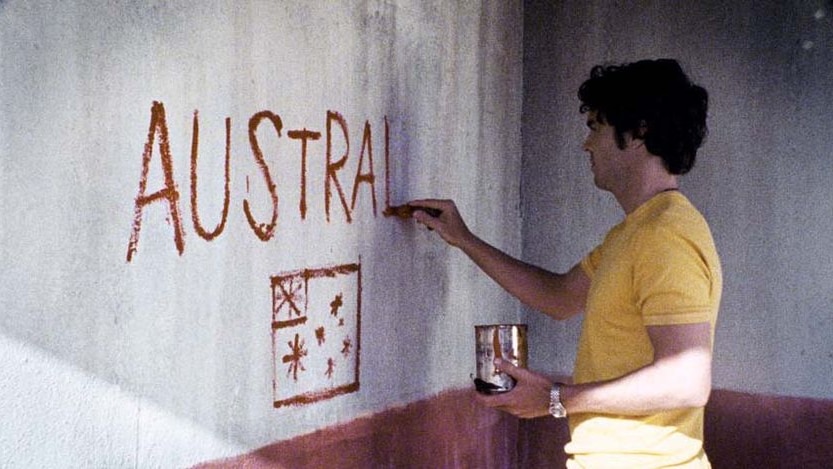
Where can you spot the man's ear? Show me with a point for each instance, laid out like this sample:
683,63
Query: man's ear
642,130
637,138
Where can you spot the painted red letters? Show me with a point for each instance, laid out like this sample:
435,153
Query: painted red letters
365,174
303,135
334,167
195,216
369,177
168,194
264,231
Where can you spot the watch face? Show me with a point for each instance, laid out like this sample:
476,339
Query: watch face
557,409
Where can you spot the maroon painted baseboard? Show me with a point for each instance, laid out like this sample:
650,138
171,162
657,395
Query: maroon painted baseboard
742,431
447,431
453,431
771,432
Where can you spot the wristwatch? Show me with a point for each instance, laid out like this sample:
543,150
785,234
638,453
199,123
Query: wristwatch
557,409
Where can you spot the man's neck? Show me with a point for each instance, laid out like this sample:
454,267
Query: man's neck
650,183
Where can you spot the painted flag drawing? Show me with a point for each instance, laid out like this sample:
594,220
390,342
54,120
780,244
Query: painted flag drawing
316,319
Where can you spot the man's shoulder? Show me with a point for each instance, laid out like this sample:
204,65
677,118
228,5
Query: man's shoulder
673,212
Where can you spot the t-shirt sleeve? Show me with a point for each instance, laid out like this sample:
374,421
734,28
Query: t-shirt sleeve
672,281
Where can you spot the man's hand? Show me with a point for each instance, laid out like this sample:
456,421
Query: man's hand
558,295
449,224
528,399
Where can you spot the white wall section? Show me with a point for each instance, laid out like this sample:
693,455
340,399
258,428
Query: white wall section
126,360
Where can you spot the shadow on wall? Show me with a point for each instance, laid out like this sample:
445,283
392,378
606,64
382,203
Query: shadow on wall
109,427
450,430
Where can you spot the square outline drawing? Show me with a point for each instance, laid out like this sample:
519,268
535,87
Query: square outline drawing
290,297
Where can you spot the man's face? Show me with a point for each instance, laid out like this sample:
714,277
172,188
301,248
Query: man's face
606,159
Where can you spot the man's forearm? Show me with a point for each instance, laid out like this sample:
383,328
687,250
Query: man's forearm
538,288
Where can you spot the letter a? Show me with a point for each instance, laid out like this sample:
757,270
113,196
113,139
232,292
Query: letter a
169,193
369,177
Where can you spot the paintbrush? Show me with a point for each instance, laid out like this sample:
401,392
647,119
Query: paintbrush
407,211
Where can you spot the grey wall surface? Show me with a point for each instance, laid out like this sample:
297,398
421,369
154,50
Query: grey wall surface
168,354
764,178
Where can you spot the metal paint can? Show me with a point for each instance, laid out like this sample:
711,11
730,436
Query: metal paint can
505,341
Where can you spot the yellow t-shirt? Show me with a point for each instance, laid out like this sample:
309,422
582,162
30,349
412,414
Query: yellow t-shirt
657,267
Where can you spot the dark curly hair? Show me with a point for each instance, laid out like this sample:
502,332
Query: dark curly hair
652,100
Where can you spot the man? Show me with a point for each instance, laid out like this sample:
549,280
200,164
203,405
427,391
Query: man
649,293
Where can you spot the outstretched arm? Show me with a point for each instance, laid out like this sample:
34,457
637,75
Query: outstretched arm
558,295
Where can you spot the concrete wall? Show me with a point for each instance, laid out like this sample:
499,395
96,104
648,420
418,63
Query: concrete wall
763,178
149,320
176,355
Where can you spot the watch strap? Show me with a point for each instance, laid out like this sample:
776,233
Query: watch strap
556,409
